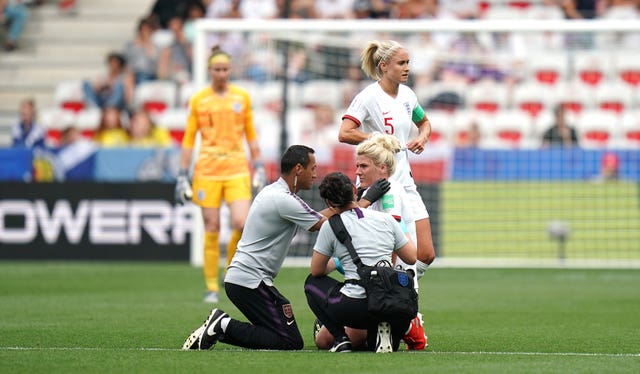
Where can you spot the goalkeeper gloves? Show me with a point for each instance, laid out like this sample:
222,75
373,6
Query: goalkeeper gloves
259,175
183,192
376,190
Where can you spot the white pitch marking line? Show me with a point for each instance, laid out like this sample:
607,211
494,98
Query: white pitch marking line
478,353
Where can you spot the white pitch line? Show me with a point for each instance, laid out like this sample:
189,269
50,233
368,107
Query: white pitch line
478,353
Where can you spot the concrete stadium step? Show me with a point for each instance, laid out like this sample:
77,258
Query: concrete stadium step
59,53
10,99
78,29
47,75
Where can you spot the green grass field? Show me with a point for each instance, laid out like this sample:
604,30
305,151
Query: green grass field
133,317
509,219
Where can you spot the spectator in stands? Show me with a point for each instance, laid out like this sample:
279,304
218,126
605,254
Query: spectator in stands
142,54
27,133
223,8
375,9
560,134
609,167
111,132
469,139
163,11
142,132
193,13
622,10
579,9
15,14
462,9
175,59
111,90
335,9
298,9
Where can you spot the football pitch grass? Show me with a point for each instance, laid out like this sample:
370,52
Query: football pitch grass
133,317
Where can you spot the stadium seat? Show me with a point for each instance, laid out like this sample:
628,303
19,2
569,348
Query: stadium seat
268,95
69,95
630,130
574,97
597,129
592,68
54,120
88,120
268,126
441,127
509,129
299,120
615,97
626,66
185,91
549,68
488,96
321,92
461,122
155,96
442,95
532,98
174,120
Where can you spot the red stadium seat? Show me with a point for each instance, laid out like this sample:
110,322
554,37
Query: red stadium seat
68,95
155,96
488,96
597,129
591,68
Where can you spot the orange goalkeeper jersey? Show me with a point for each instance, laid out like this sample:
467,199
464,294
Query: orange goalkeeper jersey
224,122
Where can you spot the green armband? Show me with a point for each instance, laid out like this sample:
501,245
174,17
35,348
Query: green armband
418,113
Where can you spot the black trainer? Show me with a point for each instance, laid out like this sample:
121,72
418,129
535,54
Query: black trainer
341,345
212,330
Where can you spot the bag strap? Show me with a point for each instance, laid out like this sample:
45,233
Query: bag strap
343,236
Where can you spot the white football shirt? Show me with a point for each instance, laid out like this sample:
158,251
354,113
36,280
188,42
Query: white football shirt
374,110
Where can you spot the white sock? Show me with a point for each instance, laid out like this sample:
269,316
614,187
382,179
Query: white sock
224,323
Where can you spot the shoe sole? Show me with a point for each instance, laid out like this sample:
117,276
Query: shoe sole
384,338
192,340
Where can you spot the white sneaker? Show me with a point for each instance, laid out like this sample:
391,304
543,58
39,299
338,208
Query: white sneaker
211,297
383,341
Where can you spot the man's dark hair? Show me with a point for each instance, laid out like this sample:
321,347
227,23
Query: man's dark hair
294,155
122,61
337,188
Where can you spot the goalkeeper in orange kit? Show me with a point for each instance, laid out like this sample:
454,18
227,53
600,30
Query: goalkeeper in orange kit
222,114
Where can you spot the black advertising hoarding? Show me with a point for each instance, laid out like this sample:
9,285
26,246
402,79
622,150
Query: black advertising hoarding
106,221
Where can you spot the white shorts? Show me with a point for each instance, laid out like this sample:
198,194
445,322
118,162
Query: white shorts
418,208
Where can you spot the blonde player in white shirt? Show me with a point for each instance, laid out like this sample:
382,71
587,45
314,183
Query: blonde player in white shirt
389,106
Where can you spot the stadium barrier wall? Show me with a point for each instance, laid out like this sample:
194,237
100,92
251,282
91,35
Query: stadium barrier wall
121,205
93,221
